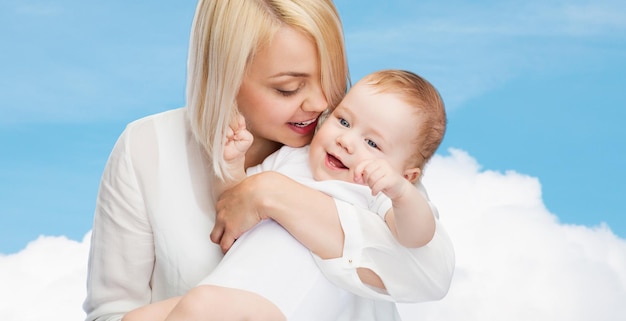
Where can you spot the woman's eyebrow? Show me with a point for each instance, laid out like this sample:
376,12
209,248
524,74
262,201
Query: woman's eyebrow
291,74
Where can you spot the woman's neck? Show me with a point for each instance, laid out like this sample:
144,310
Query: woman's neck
260,149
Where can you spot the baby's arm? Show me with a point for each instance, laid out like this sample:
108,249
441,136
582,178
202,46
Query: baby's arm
238,140
410,219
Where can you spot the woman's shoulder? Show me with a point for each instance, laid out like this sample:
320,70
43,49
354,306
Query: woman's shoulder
169,118
153,136
157,127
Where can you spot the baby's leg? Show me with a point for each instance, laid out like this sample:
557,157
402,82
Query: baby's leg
156,311
208,302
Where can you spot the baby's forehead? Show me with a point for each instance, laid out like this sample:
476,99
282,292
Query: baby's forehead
376,117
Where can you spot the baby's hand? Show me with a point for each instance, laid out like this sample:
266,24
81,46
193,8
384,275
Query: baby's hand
380,177
238,140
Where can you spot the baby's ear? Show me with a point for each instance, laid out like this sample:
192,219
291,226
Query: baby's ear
412,174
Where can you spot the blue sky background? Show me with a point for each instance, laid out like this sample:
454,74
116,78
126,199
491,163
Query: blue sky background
536,87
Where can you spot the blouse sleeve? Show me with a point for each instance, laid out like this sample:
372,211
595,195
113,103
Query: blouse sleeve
409,274
121,258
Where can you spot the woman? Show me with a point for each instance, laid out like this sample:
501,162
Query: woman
155,207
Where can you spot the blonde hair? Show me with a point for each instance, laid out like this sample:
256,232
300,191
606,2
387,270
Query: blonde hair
225,36
424,97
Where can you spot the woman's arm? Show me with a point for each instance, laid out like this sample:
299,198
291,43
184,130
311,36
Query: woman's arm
309,215
354,246
121,258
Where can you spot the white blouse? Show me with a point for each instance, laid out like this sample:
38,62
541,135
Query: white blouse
154,214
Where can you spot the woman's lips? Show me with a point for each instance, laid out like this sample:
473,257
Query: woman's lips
305,127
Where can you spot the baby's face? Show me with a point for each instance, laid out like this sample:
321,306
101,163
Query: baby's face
366,125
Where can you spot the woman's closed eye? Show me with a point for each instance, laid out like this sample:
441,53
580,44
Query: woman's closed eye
289,88
287,93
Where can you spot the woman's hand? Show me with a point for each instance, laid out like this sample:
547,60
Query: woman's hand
309,215
236,211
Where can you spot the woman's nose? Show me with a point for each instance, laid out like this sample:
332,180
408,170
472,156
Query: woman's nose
316,101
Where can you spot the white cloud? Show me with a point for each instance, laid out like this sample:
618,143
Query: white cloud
45,281
515,261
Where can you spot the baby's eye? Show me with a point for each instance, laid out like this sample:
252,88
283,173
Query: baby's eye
344,122
371,143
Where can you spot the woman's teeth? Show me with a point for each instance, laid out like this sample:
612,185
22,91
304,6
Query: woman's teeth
304,123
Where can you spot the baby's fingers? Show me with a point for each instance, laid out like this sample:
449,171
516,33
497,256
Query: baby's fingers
359,173
245,136
230,133
236,125
241,122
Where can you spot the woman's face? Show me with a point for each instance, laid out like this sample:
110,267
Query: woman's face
281,95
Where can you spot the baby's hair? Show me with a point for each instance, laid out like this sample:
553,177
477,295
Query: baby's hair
424,97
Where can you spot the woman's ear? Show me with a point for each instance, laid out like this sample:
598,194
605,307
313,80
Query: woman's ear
412,174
